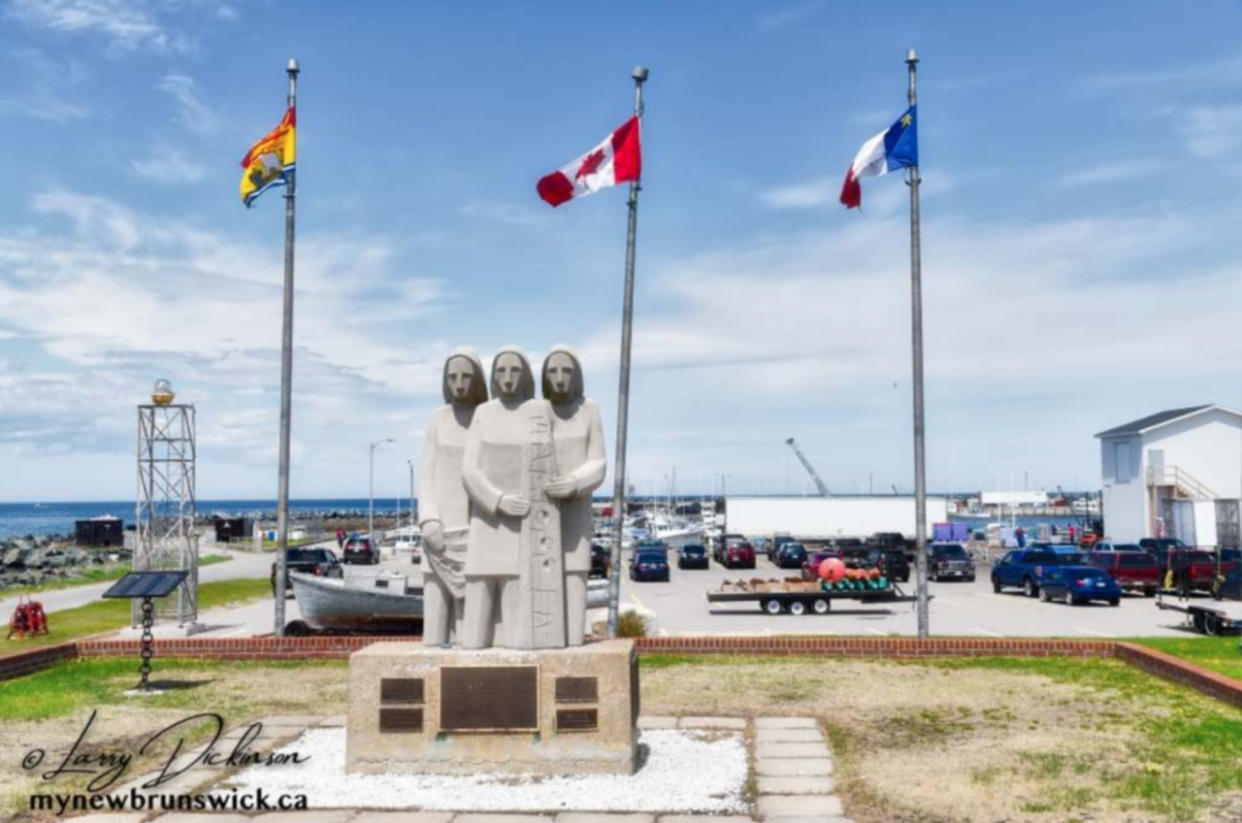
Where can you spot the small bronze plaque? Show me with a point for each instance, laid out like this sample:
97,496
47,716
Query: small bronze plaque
577,720
400,720
401,690
489,698
577,690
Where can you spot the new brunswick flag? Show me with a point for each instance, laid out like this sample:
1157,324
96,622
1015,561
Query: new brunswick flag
270,159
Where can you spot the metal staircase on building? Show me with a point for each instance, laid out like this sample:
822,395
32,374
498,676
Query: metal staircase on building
1183,484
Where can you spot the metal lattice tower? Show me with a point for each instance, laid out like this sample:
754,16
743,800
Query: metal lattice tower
166,506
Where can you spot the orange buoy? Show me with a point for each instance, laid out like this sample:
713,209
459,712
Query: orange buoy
831,569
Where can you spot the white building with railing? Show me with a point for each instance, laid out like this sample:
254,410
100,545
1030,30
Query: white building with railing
1177,473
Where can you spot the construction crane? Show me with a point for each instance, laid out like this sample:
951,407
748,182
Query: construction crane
806,464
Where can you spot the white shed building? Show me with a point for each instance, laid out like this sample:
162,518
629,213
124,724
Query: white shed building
838,516
1177,473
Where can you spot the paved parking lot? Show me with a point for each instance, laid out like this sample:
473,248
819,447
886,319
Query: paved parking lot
956,608
680,607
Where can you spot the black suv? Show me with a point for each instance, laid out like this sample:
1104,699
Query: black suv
949,561
319,562
790,556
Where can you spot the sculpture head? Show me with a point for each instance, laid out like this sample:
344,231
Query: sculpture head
562,375
463,378
512,379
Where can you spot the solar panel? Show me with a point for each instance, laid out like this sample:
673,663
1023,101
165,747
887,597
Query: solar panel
147,584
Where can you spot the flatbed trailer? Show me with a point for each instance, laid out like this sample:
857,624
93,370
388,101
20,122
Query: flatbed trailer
800,597
1211,617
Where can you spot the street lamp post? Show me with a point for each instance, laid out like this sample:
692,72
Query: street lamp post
371,494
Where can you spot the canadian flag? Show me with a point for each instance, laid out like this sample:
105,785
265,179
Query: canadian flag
618,159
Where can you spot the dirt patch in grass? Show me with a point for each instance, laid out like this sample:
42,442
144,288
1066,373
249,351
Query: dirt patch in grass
987,740
48,711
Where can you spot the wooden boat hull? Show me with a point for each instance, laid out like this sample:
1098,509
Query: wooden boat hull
327,604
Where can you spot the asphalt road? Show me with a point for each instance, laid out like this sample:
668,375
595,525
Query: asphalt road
956,608
242,565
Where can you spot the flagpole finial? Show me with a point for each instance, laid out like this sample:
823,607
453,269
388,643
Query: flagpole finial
293,66
912,57
640,74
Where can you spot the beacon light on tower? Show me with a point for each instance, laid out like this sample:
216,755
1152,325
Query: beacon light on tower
163,393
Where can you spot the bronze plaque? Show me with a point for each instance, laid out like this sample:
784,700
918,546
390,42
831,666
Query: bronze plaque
401,690
489,698
577,720
577,690
400,720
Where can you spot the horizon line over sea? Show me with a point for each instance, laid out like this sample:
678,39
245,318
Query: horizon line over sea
40,519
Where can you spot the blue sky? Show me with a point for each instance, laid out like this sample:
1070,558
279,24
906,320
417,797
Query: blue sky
1080,218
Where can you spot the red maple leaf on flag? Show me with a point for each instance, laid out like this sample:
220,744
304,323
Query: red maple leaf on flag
590,163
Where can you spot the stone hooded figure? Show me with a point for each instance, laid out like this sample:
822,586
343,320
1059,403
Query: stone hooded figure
514,575
578,436
443,505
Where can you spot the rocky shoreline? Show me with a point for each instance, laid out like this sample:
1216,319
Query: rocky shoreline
36,561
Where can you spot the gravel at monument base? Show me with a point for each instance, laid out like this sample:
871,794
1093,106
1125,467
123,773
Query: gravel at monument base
684,771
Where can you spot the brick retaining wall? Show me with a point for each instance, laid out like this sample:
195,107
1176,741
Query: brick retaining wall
32,660
1181,671
340,647
900,647
267,647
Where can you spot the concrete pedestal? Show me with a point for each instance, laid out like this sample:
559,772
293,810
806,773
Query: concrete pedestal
415,709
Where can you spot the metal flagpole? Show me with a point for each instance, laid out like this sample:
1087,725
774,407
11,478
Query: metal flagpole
286,378
916,314
623,391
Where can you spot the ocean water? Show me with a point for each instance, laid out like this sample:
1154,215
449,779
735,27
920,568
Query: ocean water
20,519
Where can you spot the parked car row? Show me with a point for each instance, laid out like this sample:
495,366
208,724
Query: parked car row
650,560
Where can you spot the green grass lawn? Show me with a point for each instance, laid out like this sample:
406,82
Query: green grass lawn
1220,654
110,615
96,574
1033,739
90,683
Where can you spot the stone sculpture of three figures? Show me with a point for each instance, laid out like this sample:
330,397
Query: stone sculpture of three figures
505,503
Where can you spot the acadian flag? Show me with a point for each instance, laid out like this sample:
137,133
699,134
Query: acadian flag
894,148
270,159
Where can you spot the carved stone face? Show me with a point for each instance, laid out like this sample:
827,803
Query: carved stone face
508,374
560,370
461,375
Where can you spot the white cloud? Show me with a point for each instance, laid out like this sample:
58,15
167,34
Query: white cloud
42,86
193,114
1209,131
781,18
38,107
127,25
811,333
123,297
503,211
1115,172
814,192
164,164
1217,72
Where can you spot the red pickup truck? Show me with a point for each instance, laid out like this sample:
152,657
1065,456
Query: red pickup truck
1133,571
1193,569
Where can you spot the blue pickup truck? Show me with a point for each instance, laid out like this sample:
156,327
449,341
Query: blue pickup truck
1024,568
